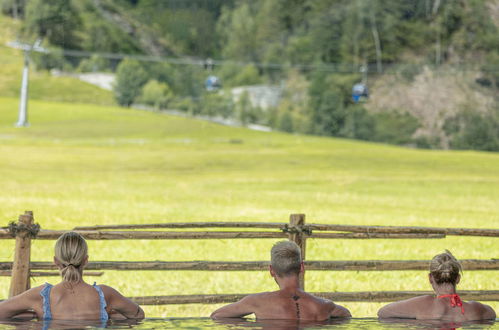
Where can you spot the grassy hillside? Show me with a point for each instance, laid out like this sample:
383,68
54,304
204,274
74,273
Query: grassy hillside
42,85
85,164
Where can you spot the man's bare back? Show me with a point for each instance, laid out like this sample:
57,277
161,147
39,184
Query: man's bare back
297,305
288,303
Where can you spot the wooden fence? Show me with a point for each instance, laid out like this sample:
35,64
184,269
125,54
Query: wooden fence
296,230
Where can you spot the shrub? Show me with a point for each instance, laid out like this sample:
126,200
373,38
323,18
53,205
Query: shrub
130,77
95,63
234,75
156,94
394,127
217,105
471,130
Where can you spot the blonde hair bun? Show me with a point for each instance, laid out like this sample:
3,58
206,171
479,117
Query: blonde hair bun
445,268
71,250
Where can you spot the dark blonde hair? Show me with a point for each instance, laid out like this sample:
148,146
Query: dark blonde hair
71,250
445,268
285,258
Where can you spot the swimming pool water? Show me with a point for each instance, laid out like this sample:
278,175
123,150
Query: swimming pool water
207,323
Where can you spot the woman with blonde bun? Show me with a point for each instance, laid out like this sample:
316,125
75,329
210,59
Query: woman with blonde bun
445,274
72,298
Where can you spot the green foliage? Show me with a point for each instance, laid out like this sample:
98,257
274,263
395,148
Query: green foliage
101,36
130,77
233,75
53,60
14,8
217,104
185,104
491,70
245,112
286,122
237,28
329,99
56,20
95,63
359,124
156,94
475,131
394,127
188,80
188,27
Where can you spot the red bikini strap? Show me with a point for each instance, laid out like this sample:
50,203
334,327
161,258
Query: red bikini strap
455,300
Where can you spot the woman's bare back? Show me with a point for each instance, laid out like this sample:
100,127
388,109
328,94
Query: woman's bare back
75,302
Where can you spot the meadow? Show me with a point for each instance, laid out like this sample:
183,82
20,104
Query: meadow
84,164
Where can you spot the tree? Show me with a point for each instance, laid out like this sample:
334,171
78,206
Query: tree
56,20
130,77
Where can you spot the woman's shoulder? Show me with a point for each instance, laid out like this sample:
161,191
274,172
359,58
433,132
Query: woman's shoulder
107,290
37,290
408,308
33,293
479,310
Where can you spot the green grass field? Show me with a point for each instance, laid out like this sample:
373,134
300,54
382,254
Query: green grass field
86,164
82,164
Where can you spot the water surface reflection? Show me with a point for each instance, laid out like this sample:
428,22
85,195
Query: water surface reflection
245,324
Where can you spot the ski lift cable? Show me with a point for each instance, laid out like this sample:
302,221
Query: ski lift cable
337,67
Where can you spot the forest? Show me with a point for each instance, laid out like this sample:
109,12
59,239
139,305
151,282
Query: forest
431,66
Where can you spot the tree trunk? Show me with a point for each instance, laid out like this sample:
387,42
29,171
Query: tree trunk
377,42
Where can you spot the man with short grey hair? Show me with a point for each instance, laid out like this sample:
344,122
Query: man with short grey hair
289,302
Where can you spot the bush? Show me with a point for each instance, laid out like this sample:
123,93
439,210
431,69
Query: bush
234,75
217,105
52,60
286,122
359,124
245,112
475,131
186,105
95,63
394,127
130,77
156,94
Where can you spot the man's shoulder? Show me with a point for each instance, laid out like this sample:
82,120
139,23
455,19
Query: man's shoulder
320,300
260,295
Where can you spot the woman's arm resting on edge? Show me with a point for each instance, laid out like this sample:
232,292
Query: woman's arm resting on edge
117,302
407,309
20,304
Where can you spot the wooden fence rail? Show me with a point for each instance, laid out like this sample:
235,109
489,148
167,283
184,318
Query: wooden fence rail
161,235
319,265
310,227
365,296
296,230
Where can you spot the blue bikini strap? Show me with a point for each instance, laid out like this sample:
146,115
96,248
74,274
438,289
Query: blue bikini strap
102,302
45,293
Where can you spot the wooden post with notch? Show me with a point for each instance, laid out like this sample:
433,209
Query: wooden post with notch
19,281
297,221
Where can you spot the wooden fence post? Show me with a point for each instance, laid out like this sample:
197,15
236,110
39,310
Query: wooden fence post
298,220
19,281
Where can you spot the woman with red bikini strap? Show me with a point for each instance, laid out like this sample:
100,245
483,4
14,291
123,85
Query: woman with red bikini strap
445,274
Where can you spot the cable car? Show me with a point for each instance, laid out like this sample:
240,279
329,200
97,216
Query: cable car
359,92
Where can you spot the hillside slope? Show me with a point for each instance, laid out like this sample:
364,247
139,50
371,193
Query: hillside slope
433,97
42,85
